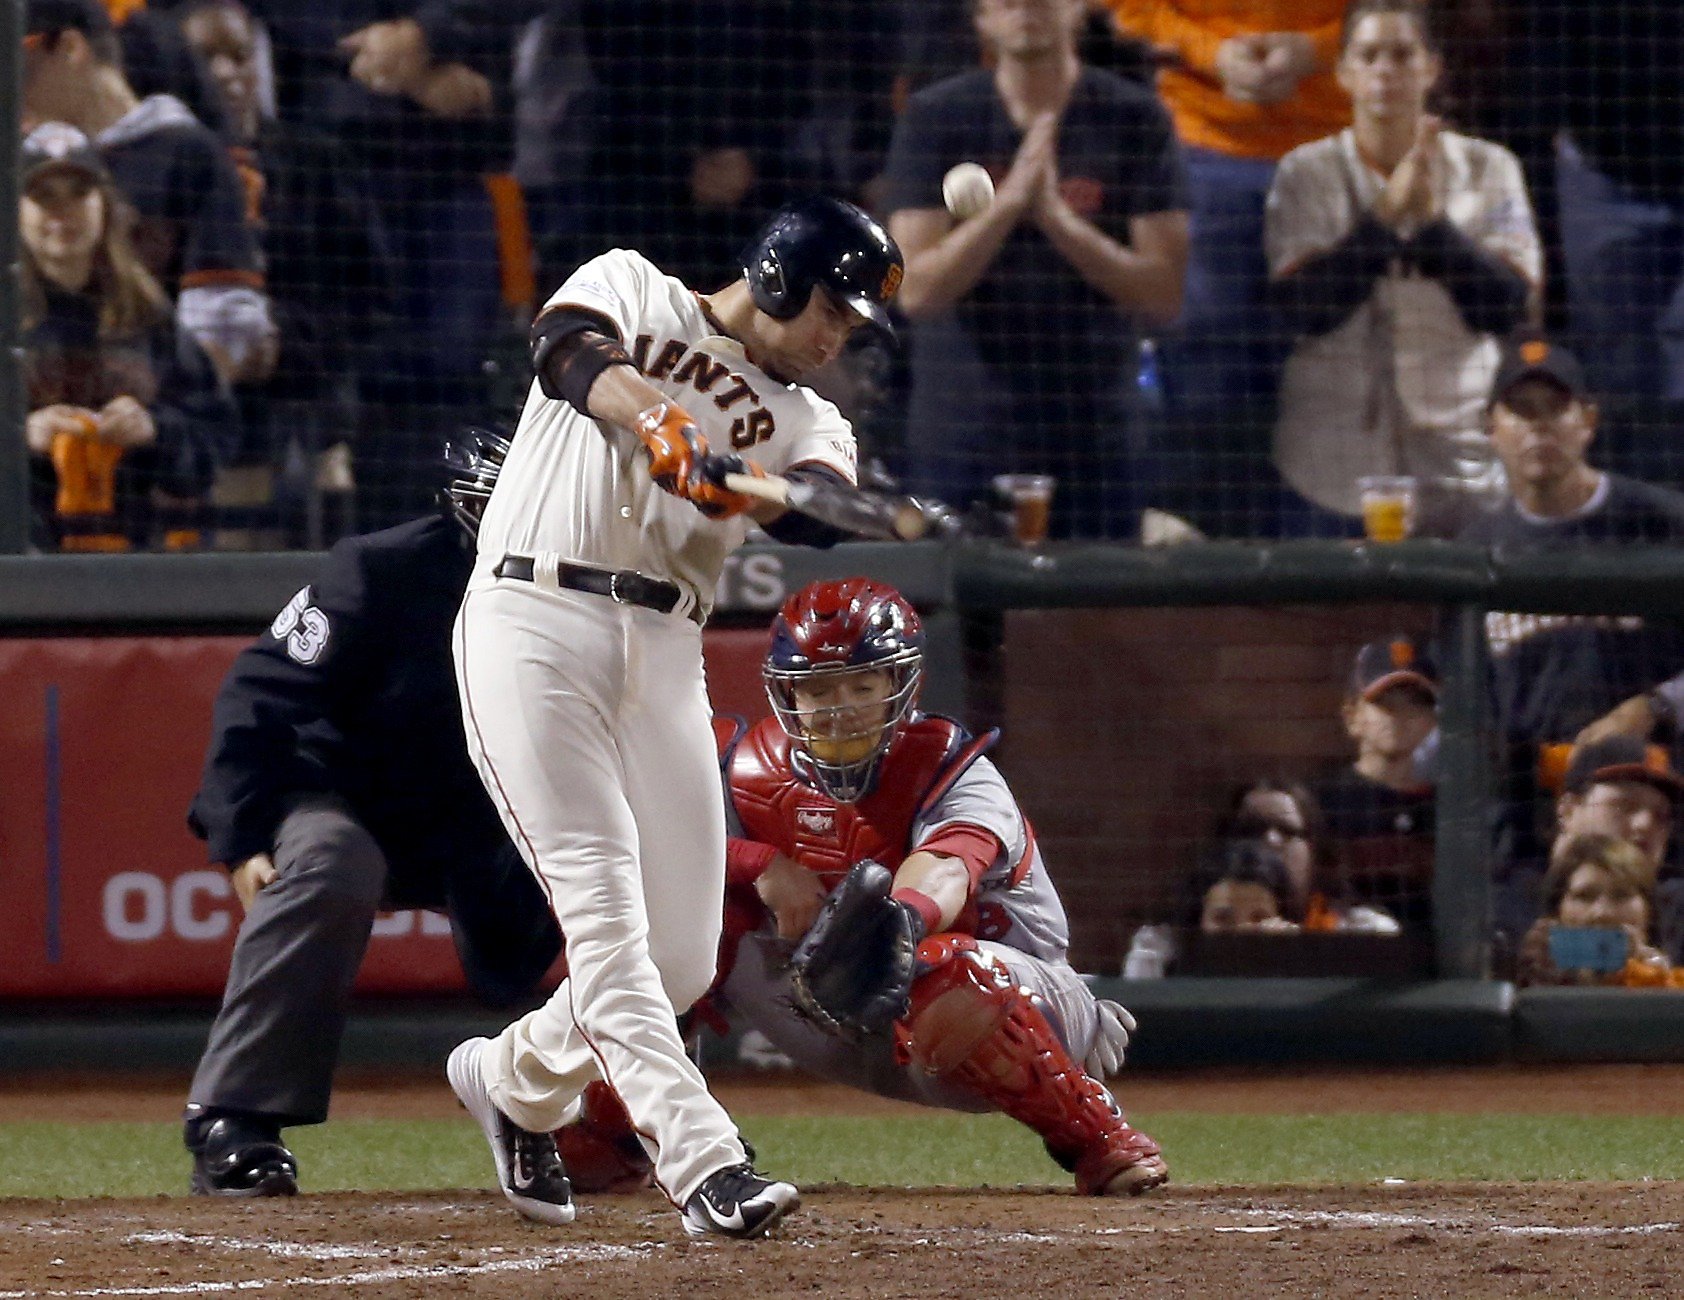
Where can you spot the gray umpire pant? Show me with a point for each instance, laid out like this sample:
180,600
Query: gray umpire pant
276,1039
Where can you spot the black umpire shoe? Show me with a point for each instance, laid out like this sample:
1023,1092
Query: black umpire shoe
234,1155
529,1167
737,1202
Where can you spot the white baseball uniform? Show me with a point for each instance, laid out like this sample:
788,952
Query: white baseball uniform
588,719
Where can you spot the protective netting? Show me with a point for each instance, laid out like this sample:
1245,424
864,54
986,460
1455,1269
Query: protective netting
1204,780
1267,252
1258,790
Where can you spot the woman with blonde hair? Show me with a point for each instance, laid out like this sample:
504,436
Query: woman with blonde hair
126,416
1599,897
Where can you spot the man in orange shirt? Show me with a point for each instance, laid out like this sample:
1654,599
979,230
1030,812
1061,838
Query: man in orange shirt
1246,81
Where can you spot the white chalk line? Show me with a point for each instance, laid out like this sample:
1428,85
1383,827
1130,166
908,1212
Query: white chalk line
1281,1220
537,1263
280,1249
1392,1219
1286,1220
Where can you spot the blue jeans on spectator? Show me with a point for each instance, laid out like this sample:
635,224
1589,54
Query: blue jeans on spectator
427,374
1625,281
968,420
1226,351
1220,366
450,294
1298,516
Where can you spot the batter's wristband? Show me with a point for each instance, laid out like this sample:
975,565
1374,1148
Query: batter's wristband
746,861
929,911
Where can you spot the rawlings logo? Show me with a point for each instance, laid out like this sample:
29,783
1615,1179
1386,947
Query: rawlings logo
816,821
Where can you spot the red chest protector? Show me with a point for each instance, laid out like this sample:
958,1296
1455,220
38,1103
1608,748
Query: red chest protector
778,808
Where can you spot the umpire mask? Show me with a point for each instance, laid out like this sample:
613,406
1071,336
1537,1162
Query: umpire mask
473,460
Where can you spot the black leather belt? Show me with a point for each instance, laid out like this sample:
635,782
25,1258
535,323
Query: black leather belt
626,586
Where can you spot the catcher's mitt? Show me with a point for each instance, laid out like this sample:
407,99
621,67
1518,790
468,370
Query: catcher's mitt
852,972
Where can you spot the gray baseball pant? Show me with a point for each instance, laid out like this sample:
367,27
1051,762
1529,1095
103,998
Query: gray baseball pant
276,1039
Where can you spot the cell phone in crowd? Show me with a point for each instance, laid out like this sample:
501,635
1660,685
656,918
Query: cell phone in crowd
1579,947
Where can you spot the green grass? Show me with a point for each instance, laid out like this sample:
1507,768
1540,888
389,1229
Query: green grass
74,1160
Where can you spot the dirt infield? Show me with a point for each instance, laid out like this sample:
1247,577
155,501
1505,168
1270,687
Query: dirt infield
853,1245
1359,1241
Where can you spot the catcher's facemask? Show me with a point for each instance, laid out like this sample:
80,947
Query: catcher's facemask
842,676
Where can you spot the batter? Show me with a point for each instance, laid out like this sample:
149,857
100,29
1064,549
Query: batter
578,653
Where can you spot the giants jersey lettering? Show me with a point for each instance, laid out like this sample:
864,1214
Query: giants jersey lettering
934,776
580,490
727,389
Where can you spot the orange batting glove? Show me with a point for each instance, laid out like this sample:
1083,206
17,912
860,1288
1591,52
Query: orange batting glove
676,447
680,462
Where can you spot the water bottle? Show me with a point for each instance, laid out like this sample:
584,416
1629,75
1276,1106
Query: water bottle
1148,378
1149,954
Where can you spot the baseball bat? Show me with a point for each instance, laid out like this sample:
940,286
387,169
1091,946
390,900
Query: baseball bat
852,509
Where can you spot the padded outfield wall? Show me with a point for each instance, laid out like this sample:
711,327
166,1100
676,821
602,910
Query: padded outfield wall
1124,678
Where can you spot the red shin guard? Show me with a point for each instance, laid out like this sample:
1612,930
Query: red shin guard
972,1026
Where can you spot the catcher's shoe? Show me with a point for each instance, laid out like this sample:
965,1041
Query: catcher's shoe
529,1170
738,1202
1125,1162
237,1156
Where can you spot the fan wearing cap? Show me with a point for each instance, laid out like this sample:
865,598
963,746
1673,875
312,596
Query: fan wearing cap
126,417
1378,810
1624,788
1599,883
1542,422
1553,674
192,229
1618,787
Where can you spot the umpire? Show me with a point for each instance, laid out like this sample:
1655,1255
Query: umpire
338,782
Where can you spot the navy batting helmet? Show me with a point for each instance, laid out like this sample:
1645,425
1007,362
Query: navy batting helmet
472,460
842,675
824,241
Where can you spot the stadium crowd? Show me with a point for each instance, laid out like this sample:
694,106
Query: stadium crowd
1242,256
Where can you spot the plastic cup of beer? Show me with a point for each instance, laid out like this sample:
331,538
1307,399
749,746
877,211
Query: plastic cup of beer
1031,498
1388,506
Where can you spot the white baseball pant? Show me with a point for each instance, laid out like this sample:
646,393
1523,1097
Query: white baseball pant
588,721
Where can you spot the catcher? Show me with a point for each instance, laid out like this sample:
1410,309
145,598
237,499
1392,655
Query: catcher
889,921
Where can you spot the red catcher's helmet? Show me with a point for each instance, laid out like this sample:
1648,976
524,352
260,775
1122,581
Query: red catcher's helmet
832,639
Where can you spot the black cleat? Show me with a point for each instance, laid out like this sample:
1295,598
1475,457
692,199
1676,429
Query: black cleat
235,1156
737,1202
529,1168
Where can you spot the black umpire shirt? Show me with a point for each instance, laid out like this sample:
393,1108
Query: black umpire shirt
352,692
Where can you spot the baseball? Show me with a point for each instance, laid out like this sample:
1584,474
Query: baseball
967,190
